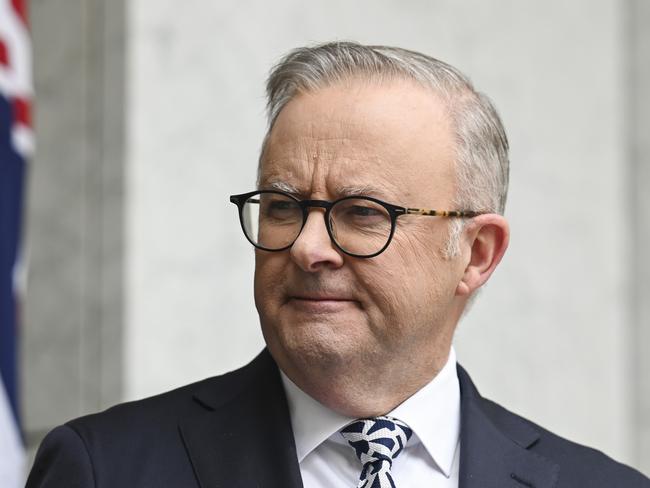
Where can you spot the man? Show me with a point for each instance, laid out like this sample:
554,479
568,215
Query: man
359,284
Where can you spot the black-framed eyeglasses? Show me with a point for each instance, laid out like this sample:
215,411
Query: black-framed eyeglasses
359,226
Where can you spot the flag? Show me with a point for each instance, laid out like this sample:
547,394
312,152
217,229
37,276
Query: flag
16,144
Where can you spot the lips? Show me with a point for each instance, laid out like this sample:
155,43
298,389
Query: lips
321,302
321,298
319,307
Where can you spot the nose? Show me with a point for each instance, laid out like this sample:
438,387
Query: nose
313,250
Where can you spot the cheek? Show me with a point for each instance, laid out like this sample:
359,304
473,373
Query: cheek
418,271
381,284
268,284
394,293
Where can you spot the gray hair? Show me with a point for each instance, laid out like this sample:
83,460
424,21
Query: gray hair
481,143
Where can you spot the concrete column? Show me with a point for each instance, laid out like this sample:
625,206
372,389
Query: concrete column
638,130
72,352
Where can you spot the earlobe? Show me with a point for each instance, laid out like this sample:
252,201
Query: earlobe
486,241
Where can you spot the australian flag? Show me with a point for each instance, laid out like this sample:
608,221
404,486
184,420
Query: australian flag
16,144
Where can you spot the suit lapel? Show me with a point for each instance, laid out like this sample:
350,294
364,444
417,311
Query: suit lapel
495,446
247,440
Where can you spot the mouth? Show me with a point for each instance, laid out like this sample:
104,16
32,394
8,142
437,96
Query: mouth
319,297
321,303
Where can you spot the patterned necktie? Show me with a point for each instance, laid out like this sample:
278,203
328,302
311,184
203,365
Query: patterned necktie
377,442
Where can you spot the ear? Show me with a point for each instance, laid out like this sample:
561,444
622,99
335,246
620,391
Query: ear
484,242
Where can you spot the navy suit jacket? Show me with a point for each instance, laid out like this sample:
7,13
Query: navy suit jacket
234,431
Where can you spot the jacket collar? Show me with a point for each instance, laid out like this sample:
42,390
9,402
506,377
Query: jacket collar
494,445
244,439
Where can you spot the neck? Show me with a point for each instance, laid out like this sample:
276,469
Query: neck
362,395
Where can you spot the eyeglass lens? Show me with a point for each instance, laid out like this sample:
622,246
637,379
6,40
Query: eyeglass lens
359,226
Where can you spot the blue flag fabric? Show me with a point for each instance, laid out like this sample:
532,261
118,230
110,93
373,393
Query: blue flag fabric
15,146
12,173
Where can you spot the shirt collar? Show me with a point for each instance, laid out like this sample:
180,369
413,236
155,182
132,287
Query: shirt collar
433,413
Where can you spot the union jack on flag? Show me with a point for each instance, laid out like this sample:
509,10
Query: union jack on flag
16,145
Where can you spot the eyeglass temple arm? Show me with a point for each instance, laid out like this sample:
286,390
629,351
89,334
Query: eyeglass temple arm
442,213
236,199
412,211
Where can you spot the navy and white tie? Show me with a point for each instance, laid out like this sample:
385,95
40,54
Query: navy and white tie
377,442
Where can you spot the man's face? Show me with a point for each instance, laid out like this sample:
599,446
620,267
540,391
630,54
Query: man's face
329,317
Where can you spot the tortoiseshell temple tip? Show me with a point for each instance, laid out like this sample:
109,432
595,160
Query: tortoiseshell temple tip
442,213
422,211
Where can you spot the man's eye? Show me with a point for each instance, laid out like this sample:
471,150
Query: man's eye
363,211
281,210
281,205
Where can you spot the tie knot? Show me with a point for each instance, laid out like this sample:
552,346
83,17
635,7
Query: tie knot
377,440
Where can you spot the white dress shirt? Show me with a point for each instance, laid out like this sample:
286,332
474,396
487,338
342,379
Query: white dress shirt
431,456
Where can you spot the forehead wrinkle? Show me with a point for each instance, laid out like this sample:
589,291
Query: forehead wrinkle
327,176
335,162
287,171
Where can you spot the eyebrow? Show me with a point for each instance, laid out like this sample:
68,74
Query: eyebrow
281,186
363,190
341,191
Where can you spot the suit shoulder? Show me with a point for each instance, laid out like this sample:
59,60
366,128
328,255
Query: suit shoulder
579,465
62,460
140,412
141,437
163,410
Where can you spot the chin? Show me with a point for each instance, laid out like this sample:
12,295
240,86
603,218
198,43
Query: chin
313,348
